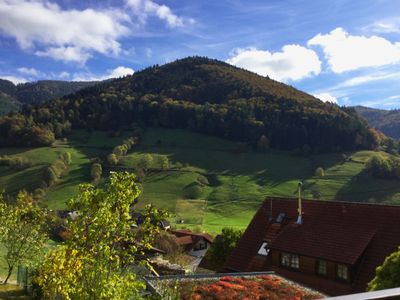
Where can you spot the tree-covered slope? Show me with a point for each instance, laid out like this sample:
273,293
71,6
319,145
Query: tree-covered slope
387,121
8,103
212,97
45,90
13,96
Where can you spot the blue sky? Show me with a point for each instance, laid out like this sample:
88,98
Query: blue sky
346,51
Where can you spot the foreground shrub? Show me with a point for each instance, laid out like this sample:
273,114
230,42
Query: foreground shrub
96,262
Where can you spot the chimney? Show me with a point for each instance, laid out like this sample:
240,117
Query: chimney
299,209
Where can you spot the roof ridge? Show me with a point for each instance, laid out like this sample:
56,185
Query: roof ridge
332,202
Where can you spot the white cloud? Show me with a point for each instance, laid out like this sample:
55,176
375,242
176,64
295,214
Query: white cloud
114,73
149,52
346,52
293,63
14,79
29,71
67,54
72,35
359,80
384,26
63,75
120,71
144,8
326,97
68,35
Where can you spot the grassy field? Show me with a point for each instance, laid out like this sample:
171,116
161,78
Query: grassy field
238,182
210,183
82,145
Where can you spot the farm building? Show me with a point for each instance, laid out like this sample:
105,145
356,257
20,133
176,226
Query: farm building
194,244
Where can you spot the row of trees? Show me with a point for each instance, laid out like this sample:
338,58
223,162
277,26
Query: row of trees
57,169
121,150
15,162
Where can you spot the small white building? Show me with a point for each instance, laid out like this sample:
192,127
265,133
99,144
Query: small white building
194,244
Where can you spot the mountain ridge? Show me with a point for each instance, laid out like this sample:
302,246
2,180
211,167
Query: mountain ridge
387,121
13,96
212,97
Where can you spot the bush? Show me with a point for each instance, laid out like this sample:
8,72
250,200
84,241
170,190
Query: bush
319,172
146,161
39,194
222,247
203,180
16,162
59,167
112,159
66,158
385,168
164,162
193,191
49,176
95,172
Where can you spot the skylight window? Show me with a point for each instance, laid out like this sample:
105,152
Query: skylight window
280,218
263,249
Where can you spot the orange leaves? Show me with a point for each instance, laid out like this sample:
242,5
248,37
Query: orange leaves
255,288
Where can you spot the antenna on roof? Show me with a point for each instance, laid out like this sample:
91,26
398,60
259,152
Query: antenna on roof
299,209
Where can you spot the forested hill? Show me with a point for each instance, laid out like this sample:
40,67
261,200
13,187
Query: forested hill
387,121
206,96
13,96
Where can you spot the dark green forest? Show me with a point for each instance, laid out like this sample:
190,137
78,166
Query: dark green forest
201,94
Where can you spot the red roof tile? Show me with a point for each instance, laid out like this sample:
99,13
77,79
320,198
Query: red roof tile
186,232
184,240
338,231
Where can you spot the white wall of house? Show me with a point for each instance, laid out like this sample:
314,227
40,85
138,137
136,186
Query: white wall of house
200,249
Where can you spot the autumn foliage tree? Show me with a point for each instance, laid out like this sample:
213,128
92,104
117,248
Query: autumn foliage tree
97,261
22,232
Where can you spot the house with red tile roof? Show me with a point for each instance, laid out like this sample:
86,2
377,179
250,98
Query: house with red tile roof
331,246
194,244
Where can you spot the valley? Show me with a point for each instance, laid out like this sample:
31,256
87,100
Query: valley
208,183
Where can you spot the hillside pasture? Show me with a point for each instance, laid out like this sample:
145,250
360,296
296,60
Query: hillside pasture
208,182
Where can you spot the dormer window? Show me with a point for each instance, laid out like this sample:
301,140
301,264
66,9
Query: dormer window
263,249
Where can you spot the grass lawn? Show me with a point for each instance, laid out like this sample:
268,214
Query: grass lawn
239,182
231,183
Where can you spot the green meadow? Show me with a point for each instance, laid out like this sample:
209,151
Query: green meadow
209,183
